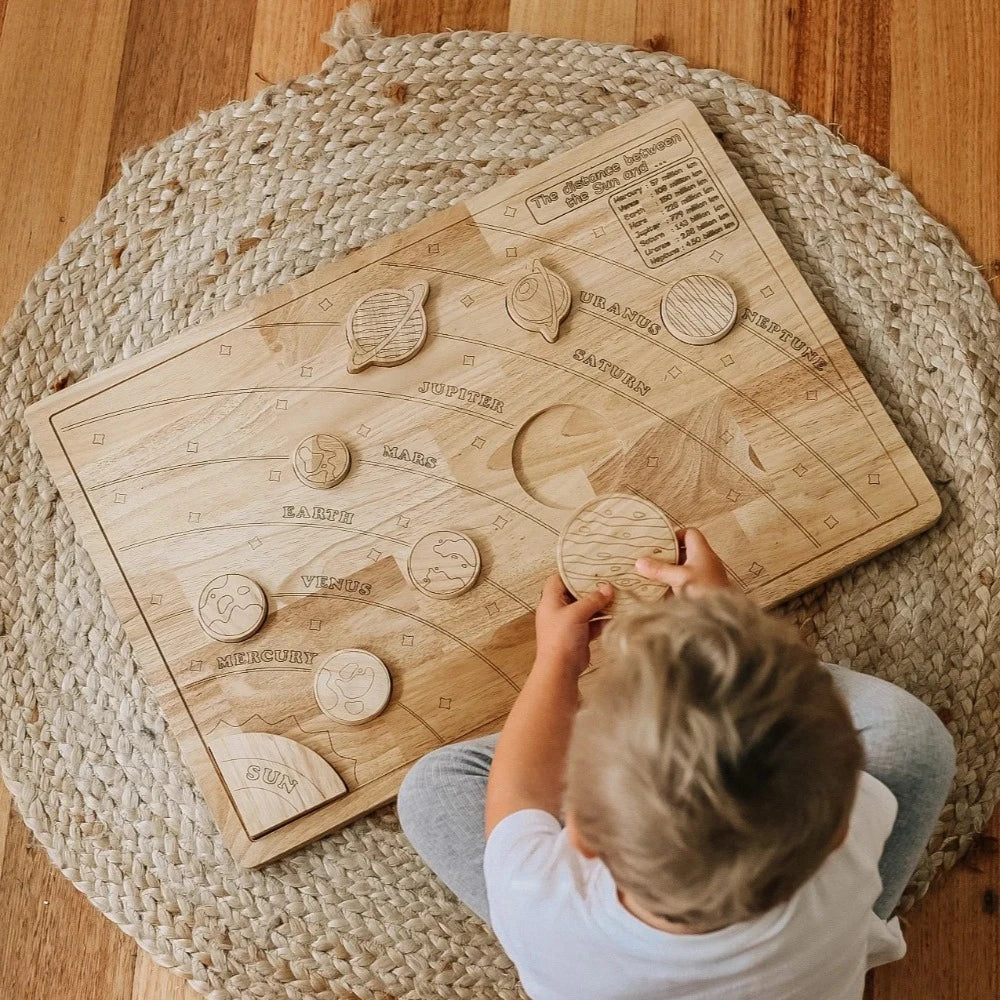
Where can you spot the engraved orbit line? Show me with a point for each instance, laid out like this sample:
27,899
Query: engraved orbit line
285,388
844,393
189,465
408,614
749,399
322,526
656,413
471,489
424,723
440,270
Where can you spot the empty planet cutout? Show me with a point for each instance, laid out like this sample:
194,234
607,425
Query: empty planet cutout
698,309
444,564
352,686
387,327
602,541
232,607
321,461
539,301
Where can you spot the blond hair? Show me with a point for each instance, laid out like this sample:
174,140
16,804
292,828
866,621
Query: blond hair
714,764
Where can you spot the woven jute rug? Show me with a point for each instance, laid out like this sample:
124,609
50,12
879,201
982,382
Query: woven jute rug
257,193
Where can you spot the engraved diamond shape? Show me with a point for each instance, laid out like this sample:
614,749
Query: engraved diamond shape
225,350
493,608
281,404
727,360
500,522
599,231
767,291
800,470
119,498
733,496
325,304
478,442
831,521
374,555
314,624
715,256
364,430
98,439
811,394
306,371
652,462
511,251
510,211
255,543
444,702
196,664
275,476
403,521
466,300
726,437
756,569
194,516
407,640
873,479
469,359
155,598
192,447
674,372
433,248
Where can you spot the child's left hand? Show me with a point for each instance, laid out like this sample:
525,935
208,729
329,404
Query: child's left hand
563,626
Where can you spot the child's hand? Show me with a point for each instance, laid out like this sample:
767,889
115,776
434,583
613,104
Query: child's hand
699,569
563,629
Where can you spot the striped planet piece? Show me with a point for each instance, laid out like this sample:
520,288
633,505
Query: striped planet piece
699,309
602,541
387,327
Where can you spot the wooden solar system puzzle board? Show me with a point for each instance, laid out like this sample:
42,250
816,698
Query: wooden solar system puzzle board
256,493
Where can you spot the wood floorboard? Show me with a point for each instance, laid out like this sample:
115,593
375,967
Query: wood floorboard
912,81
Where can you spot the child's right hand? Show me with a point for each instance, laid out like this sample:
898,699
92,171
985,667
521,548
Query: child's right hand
700,569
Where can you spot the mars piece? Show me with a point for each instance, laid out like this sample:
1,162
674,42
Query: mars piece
444,564
352,686
602,541
232,607
321,461
387,327
539,301
273,779
698,309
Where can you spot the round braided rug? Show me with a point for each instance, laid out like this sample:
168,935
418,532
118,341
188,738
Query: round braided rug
259,192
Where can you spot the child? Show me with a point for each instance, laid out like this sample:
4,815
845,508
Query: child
721,838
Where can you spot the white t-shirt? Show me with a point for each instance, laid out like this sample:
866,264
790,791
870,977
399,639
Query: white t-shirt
559,918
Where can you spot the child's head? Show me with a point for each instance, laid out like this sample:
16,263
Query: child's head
714,765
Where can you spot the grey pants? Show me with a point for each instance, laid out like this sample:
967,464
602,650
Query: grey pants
442,801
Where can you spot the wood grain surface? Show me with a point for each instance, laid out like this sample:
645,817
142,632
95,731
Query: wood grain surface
911,81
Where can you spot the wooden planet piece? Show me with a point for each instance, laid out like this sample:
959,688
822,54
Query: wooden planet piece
321,461
352,686
539,301
232,607
444,564
602,541
699,309
387,327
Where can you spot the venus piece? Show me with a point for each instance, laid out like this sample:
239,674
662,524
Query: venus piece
387,327
352,686
272,779
602,541
321,461
444,564
699,309
539,301
232,607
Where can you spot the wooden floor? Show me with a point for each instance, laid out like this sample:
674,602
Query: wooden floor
914,82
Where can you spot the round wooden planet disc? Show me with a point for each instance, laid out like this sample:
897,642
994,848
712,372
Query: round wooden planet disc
352,686
602,541
321,461
444,564
699,309
232,607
